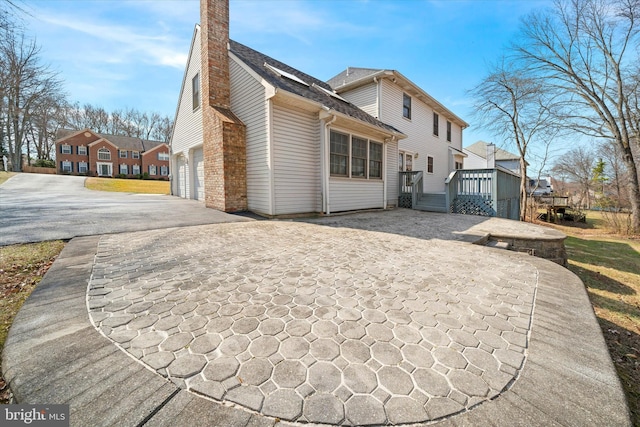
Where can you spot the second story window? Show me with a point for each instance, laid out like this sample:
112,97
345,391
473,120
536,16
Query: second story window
82,150
436,126
123,154
104,154
406,106
448,131
65,149
163,156
195,89
135,154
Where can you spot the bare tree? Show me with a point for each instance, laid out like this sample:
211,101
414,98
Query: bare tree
586,48
577,165
24,82
514,105
618,174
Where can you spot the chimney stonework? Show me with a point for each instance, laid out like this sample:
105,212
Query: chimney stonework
224,134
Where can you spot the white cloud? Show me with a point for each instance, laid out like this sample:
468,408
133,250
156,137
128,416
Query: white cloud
113,43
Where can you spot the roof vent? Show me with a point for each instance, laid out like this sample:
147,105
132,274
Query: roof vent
284,74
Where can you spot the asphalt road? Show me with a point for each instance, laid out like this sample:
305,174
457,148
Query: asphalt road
36,207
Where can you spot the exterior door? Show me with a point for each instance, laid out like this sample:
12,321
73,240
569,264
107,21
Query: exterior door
104,169
198,174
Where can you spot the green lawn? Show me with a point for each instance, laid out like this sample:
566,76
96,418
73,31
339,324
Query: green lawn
128,185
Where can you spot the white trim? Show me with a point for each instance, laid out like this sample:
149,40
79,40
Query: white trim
100,164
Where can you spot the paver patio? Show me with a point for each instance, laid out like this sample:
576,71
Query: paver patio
304,323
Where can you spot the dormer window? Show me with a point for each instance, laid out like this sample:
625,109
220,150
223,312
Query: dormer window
406,106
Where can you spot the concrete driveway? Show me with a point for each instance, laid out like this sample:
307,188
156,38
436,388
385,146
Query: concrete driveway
38,207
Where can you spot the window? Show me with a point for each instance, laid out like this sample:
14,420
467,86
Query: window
123,154
429,164
67,166
195,89
82,167
164,171
355,157
153,170
163,156
339,154
436,130
358,157
65,149
104,154
135,154
406,106
448,131
135,169
82,150
375,160
401,162
124,169
458,165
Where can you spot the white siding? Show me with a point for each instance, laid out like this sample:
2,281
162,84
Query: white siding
249,104
392,173
365,97
188,127
296,161
420,138
351,194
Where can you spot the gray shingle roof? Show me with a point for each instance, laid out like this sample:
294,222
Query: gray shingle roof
351,74
256,60
480,149
122,142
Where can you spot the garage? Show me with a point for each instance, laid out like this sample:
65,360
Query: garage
198,174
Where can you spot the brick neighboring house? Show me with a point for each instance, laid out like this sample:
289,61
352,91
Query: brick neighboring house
85,152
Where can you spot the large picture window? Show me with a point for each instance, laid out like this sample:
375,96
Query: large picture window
375,160
355,157
339,154
358,157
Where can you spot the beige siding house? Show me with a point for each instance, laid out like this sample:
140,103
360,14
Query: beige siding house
434,133
306,149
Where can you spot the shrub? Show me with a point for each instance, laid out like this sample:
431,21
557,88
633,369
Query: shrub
44,163
145,175
121,176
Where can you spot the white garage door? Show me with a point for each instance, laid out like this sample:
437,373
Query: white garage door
198,174
180,181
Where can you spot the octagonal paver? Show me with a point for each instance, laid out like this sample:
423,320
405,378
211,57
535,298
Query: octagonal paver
314,324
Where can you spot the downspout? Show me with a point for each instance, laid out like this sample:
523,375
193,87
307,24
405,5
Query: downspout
378,94
324,162
384,176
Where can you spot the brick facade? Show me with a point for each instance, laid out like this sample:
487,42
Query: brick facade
93,143
224,139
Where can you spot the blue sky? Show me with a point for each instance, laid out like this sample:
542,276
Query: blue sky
131,53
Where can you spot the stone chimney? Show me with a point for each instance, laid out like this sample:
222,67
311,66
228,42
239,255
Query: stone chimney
491,156
224,145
